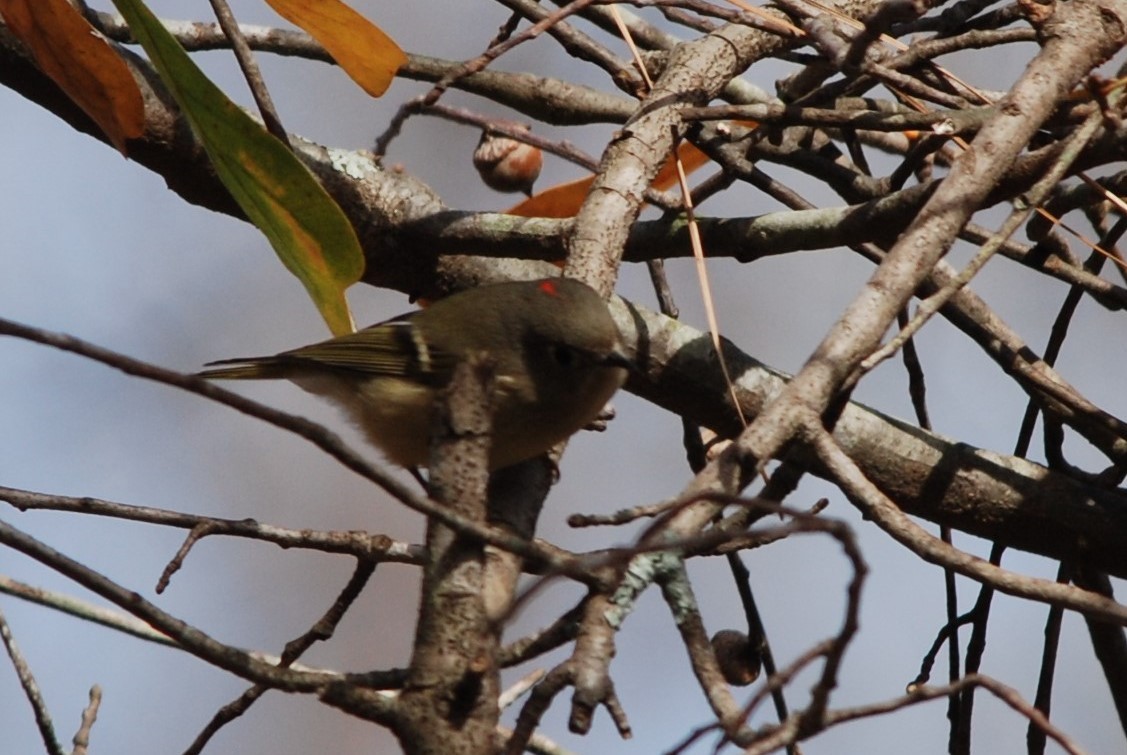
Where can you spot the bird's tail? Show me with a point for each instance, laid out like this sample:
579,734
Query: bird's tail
247,368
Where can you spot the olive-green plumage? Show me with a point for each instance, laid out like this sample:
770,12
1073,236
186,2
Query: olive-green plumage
555,349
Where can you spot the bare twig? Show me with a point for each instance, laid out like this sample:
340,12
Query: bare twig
89,716
353,543
250,70
899,526
30,690
322,630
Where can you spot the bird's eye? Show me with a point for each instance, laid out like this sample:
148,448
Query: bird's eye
564,356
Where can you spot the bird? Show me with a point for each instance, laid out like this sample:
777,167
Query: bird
556,352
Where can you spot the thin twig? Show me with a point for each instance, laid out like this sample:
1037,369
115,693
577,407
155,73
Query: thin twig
81,739
352,542
250,70
30,690
320,631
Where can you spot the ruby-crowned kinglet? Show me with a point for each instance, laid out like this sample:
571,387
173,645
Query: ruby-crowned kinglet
556,353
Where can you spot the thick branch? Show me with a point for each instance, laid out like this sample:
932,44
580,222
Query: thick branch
696,71
449,703
986,494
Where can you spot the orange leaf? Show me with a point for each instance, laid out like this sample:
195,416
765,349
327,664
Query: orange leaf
361,48
560,201
563,201
83,64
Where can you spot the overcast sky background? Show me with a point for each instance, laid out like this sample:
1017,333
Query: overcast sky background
96,246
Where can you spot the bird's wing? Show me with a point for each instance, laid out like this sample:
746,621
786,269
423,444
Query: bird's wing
391,348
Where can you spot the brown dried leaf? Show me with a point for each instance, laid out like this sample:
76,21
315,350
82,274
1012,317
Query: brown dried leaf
83,64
